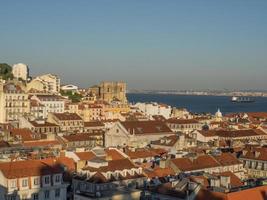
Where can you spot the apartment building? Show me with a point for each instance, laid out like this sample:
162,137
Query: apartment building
51,103
32,180
14,102
66,121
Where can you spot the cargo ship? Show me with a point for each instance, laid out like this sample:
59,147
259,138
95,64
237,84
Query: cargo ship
242,99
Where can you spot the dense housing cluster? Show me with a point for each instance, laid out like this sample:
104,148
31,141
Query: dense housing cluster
99,146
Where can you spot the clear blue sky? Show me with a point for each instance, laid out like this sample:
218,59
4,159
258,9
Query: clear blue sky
151,44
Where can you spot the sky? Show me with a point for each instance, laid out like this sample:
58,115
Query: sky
150,44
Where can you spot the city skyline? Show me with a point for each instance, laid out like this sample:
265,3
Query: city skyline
150,45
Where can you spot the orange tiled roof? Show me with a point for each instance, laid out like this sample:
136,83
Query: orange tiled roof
41,143
24,133
255,154
159,172
258,193
140,153
234,180
85,155
226,159
79,137
233,133
201,162
146,127
67,116
19,169
114,154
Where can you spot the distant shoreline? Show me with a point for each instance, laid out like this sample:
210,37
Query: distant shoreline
247,94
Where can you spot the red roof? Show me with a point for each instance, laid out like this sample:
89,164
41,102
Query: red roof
233,133
140,153
41,143
255,154
258,193
23,133
201,162
79,137
159,172
85,155
19,169
114,154
67,116
205,161
146,127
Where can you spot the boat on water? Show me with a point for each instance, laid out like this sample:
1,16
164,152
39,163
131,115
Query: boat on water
242,99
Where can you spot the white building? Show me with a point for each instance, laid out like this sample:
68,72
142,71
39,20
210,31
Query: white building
21,71
136,133
32,179
52,103
47,82
151,109
69,88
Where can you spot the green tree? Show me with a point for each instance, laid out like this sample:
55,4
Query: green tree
74,97
5,71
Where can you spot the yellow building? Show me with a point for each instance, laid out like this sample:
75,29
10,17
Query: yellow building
47,82
88,112
14,102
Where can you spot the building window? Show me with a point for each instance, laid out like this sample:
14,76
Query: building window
57,193
35,196
24,182
36,181
47,180
57,178
46,194
13,184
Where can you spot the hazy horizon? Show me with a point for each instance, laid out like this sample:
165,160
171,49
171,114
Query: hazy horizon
161,45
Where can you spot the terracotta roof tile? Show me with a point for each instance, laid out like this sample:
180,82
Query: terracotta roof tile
67,116
146,127
19,169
